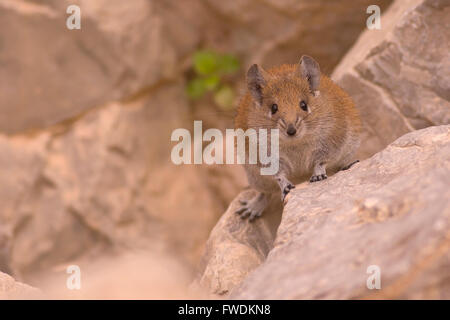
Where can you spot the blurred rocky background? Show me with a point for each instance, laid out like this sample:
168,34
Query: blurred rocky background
86,115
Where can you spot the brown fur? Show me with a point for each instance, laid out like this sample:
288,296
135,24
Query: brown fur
327,134
334,103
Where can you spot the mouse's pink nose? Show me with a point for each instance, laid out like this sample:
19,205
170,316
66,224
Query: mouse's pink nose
291,130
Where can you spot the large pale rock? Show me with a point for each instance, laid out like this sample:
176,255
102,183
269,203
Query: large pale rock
11,289
50,73
399,76
392,211
107,180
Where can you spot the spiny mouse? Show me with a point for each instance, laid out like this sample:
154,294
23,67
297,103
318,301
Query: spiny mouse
319,127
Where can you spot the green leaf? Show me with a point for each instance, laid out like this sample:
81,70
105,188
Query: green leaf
224,98
228,64
196,88
205,62
211,82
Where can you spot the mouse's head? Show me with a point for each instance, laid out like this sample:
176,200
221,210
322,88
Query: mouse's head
285,100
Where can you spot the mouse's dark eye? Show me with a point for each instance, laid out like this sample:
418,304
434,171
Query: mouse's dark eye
303,105
274,108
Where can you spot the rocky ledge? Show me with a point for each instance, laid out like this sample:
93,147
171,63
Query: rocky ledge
391,211
11,289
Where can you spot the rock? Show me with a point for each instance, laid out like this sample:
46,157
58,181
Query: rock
399,75
5,250
106,181
236,247
122,49
11,289
391,211
149,274
275,32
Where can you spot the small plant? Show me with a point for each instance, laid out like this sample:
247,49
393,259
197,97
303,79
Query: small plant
210,70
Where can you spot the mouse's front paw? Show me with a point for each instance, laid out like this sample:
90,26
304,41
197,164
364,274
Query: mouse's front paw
247,210
318,178
252,208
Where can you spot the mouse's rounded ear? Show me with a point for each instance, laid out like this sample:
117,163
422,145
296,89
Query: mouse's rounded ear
310,69
256,80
